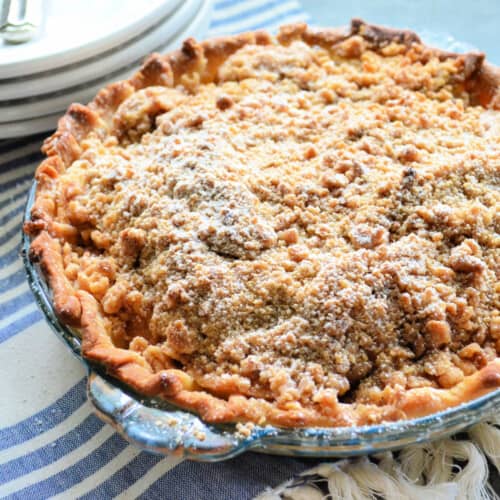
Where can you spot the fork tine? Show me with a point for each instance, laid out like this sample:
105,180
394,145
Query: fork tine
23,20
4,12
16,12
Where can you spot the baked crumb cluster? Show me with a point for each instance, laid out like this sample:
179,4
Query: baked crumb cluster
316,227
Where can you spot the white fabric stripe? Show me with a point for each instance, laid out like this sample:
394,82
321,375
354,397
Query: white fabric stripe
37,370
149,478
12,206
27,149
261,18
17,172
14,292
18,188
47,437
10,244
93,481
61,464
19,314
238,8
9,270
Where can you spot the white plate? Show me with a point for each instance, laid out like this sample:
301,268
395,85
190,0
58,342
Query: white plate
90,69
197,28
42,105
73,31
80,74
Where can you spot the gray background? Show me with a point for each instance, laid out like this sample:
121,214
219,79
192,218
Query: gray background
474,23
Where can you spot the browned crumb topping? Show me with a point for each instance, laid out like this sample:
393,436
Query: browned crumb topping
313,227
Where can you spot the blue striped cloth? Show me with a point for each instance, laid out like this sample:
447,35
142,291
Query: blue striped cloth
51,443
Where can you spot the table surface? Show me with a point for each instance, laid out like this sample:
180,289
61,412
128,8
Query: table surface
474,23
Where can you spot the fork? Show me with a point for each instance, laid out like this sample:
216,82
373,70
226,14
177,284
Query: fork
19,19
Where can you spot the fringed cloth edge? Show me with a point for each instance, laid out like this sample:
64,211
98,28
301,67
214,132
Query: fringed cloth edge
448,469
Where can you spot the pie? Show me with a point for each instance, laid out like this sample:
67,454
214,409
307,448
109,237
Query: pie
300,230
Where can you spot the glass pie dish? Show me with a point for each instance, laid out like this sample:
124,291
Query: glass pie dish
157,426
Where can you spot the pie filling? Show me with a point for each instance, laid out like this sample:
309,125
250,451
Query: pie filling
314,230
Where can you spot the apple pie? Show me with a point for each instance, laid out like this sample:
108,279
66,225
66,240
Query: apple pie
298,230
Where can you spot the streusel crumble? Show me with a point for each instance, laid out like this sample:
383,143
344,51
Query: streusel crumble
301,230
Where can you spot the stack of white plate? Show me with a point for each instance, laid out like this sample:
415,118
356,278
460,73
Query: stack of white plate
81,47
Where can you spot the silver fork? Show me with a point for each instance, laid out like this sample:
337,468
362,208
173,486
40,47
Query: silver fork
19,20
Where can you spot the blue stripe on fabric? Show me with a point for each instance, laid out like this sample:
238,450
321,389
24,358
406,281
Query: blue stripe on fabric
76,473
245,13
10,144
15,303
20,324
21,161
12,255
52,451
124,478
9,215
18,180
7,145
227,3
229,479
45,419
12,280
5,237
15,197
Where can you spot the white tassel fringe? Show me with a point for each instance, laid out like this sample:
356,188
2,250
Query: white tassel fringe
419,472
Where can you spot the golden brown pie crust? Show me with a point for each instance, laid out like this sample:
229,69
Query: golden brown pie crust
57,231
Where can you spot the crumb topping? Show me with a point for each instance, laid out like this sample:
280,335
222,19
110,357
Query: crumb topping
315,227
